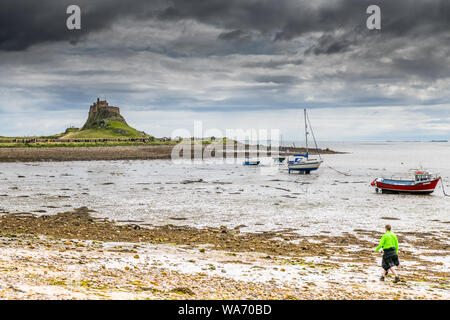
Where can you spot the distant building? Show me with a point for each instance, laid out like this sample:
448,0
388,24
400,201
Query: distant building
100,113
102,104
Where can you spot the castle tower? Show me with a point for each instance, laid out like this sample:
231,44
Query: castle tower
102,104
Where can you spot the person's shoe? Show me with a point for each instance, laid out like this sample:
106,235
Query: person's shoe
397,279
382,278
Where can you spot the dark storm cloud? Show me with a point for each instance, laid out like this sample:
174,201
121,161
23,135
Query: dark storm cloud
232,35
223,55
287,19
24,23
330,44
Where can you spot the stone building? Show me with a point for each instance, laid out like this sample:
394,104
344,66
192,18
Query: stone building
102,105
100,114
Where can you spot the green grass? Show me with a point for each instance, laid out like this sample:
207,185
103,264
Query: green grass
73,144
55,136
112,130
92,144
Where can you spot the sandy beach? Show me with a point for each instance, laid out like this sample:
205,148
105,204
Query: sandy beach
73,255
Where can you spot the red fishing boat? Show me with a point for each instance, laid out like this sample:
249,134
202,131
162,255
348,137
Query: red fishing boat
423,183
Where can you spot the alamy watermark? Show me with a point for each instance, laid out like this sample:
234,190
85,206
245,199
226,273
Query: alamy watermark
73,22
229,147
374,20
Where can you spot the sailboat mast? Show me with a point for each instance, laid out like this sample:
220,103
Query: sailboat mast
306,131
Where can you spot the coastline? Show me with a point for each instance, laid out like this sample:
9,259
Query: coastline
150,152
74,255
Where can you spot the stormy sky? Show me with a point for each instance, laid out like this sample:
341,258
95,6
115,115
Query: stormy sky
231,64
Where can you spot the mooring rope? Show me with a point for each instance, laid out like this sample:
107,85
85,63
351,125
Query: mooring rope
345,174
443,189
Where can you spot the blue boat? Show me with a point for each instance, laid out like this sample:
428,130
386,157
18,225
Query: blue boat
249,162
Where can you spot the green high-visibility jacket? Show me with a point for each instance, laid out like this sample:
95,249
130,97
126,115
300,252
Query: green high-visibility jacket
388,240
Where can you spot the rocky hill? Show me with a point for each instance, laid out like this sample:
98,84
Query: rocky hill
104,122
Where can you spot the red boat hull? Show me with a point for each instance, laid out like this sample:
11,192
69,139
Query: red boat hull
418,188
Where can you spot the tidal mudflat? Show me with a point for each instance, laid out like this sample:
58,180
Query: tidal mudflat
73,255
154,229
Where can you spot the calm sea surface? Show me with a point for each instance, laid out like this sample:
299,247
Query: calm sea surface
261,198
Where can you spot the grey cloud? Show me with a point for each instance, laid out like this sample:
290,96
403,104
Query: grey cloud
24,23
330,44
230,55
278,79
233,35
273,63
428,66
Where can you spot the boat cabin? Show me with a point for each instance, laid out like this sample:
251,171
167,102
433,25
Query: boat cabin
298,158
422,176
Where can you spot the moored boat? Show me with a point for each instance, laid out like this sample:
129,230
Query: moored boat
423,183
249,162
302,162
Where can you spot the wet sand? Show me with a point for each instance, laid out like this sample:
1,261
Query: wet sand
85,153
73,255
151,152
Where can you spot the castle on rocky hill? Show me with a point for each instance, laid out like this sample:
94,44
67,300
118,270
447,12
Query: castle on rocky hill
101,105
100,114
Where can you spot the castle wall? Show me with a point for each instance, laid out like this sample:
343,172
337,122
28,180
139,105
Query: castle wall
100,105
114,109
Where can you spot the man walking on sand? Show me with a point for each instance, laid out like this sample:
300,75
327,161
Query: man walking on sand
389,243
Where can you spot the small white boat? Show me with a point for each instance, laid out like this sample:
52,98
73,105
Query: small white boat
302,162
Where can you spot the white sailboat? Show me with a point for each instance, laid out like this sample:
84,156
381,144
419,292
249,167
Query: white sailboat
302,162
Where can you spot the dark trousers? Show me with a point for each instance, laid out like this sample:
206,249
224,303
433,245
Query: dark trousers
390,259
